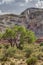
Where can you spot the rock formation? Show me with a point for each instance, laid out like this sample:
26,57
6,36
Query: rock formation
31,18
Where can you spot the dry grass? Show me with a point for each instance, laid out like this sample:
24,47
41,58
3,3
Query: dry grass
19,57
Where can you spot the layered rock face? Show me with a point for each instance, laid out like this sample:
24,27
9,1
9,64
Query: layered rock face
34,16
31,18
9,20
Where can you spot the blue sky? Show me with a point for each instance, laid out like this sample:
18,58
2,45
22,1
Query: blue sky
17,6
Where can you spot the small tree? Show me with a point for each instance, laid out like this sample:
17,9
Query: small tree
8,35
18,35
1,35
22,33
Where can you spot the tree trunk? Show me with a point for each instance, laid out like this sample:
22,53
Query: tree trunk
10,41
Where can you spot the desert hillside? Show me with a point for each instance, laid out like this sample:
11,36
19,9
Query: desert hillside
31,18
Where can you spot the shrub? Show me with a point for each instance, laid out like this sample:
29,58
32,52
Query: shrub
41,64
41,48
3,55
31,36
12,63
40,56
1,35
3,63
20,46
31,61
6,46
41,44
28,52
1,46
10,52
19,56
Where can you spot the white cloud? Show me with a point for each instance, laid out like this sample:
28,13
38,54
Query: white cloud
27,1
39,4
6,1
0,3
22,4
0,12
7,12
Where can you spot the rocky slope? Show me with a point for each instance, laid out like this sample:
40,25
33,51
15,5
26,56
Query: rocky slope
9,20
31,18
34,16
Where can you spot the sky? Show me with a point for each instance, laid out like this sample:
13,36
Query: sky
17,6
